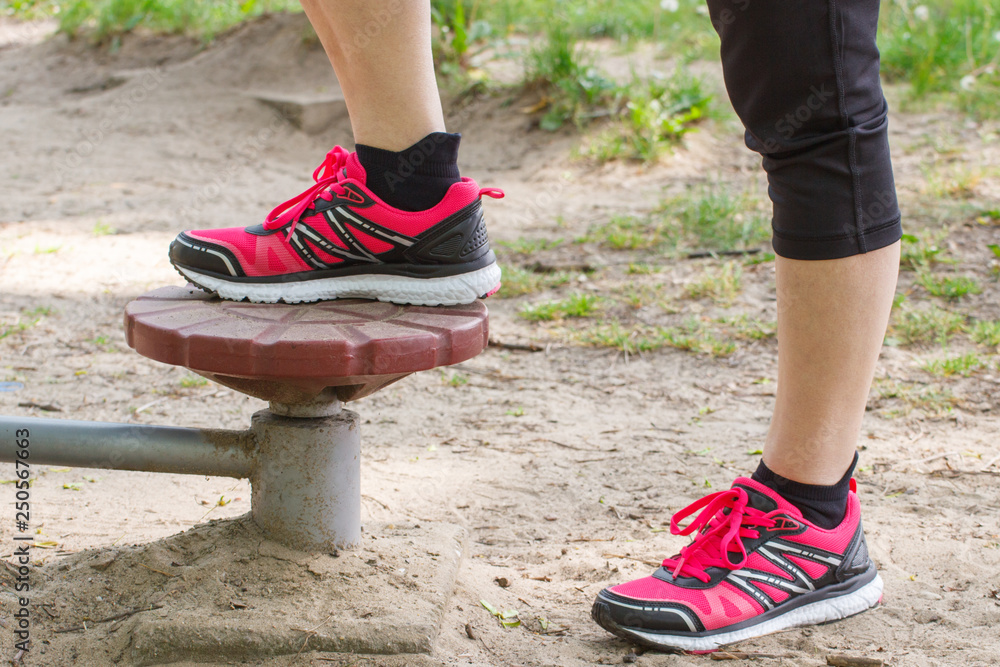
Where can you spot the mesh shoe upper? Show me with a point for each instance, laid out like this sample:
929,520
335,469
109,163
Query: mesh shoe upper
753,552
339,223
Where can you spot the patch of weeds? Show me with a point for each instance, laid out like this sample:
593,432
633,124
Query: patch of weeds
641,269
679,24
986,333
102,342
713,218
964,365
515,412
944,48
102,228
948,287
721,286
458,30
695,337
24,321
759,258
454,379
932,324
638,296
634,232
191,381
105,20
656,113
923,250
573,86
744,327
47,250
959,181
632,340
989,217
576,305
935,402
995,263
517,281
707,219
525,246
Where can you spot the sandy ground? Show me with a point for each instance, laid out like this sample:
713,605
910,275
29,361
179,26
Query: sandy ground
563,465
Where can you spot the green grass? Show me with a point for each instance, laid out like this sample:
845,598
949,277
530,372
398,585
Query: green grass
685,29
964,365
935,402
191,381
706,218
105,19
986,333
695,337
630,340
714,218
639,296
24,321
576,305
952,288
721,285
526,246
923,250
744,327
102,228
944,47
573,85
656,112
517,281
931,324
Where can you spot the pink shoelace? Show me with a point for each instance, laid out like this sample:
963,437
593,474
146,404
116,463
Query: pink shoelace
327,177
720,533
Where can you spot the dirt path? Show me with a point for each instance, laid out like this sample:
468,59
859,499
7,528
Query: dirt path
564,465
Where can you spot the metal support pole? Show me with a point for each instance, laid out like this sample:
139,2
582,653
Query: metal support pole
307,482
170,449
305,472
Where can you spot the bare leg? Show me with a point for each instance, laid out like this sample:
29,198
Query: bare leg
832,316
381,51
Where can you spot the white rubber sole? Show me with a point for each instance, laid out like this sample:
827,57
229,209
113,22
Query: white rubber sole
823,611
445,291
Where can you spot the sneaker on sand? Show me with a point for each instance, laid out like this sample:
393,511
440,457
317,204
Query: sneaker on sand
338,240
755,567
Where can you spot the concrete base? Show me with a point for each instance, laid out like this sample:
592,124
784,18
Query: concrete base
227,593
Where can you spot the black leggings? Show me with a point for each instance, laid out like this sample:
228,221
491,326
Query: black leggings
803,76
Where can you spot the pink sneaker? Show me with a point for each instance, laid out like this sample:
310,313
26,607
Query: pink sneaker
338,240
755,567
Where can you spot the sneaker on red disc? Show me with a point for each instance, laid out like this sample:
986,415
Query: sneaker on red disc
339,240
755,567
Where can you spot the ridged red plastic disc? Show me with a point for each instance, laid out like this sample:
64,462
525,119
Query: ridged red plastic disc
311,346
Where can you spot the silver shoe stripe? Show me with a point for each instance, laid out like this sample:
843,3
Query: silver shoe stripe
786,564
347,236
401,240
684,615
808,554
218,254
326,245
772,580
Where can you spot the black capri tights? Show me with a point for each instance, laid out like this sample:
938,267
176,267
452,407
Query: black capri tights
803,76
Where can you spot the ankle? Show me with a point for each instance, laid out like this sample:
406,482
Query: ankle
415,178
823,506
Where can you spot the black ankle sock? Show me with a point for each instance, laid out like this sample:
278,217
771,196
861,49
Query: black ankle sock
414,179
824,506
